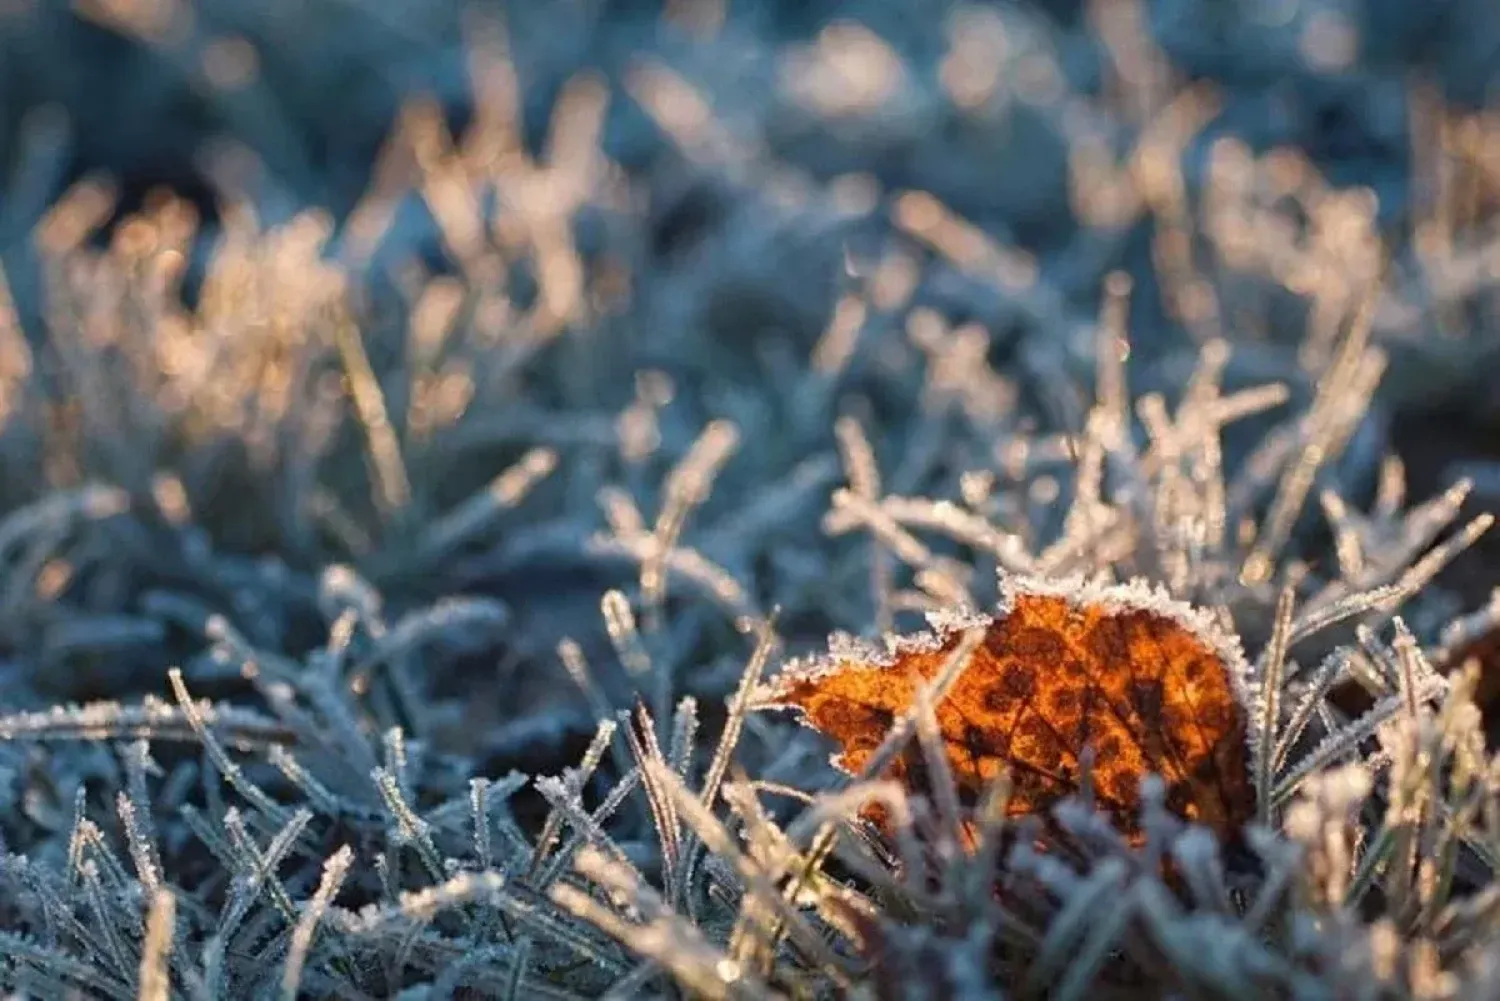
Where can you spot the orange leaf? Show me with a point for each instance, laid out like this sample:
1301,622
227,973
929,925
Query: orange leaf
1150,683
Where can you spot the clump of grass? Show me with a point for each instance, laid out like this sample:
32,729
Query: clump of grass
382,600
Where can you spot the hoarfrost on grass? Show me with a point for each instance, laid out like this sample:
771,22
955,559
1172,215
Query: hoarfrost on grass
521,384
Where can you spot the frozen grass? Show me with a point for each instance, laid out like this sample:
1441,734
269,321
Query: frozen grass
383,599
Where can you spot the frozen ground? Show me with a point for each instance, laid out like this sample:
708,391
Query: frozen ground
430,386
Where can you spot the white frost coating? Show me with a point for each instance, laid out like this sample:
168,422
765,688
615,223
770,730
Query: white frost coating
152,718
847,651
1138,595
